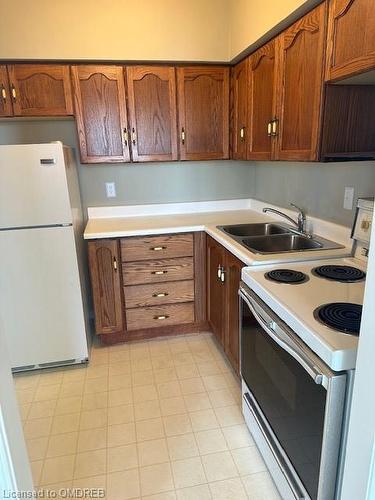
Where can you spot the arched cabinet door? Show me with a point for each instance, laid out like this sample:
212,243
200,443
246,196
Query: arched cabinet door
203,112
100,110
301,57
262,102
351,38
239,110
152,112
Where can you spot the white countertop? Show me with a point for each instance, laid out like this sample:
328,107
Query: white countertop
115,222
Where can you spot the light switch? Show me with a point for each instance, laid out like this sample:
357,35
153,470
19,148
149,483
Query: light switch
110,189
348,198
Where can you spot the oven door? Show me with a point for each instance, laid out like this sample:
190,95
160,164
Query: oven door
294,401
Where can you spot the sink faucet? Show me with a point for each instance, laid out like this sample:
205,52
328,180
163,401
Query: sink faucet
300,223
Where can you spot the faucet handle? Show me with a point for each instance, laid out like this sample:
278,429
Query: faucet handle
298,208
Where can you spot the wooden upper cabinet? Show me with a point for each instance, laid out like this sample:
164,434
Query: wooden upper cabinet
152,112
300,87
239,110
203,109
262,102
6,108
40,90
100,109
351,38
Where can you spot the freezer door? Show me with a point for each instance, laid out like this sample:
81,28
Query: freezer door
33,186
40,296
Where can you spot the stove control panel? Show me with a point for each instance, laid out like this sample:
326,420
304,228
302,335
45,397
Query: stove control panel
362,226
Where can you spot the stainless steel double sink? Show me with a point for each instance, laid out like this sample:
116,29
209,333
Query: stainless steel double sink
266,238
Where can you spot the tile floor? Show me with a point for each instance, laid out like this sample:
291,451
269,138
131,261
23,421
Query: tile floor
154,420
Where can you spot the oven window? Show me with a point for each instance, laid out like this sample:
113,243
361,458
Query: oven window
288,397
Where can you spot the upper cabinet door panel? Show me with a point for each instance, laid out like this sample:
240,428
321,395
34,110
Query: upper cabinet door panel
152,112
262,92
239,110
100,108
5,95
301,85
203,107
40,90
351,37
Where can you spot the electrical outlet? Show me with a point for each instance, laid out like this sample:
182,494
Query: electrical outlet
348,198
110,189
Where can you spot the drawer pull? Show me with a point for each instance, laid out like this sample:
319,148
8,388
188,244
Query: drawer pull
159,272
162,294
164,316
157,249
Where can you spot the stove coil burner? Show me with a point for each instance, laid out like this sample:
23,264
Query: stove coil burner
344,274
341,316
286,276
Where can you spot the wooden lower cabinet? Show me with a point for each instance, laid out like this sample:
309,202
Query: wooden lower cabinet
223,279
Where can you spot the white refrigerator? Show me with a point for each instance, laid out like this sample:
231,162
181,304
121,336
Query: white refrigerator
43,278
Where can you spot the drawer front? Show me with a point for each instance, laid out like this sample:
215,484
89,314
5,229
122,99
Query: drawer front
152,317
157,247
155,271
159,293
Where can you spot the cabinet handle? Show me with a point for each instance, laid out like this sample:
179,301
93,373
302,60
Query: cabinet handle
126,137
162,316
222,277
183,135
275,123
219,271
269,129
115,264
14,93
133,136
157,249
242,134
159,272
3,93
162,294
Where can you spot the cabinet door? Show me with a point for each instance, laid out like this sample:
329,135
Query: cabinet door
262,102
233,268
100,109
351,38
203,112
5,95
300,87
239,110
215,288
40,90
152,112
105,268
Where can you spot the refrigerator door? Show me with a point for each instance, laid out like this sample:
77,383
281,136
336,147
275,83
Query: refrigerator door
33,186
40,297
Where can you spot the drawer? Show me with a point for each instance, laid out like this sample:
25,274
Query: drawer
159,293
155,271
152,317
157,247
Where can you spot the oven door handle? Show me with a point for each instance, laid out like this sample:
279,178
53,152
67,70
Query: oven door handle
283,339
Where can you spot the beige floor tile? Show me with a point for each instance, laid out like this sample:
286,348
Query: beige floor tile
122,414
203,420
203,356
25,396
196,402
201,492
141,364
177,424
58,490
159,349
95,401
172,406
65,423
248,460
165,375
232,380
37,448
229,489
229,415
214,382
119,382
211,441
122,458
119,369
221,397
152,452
192,385
119,357
62,444
146,409
188,472
219,466
77,374
70,389
161,362
57,469
36,471
187,371
51,378
91,419
237,436
150,429
156,479
91,482
167,495
260,487
144,393
183,446
99,356
40,409
39,427
120,397
24,410
26,381
183,358
97,371
121,434
92,439
45,392
208,368
90,463
95,385
142,378
123,485
169,389
68,405
178,346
